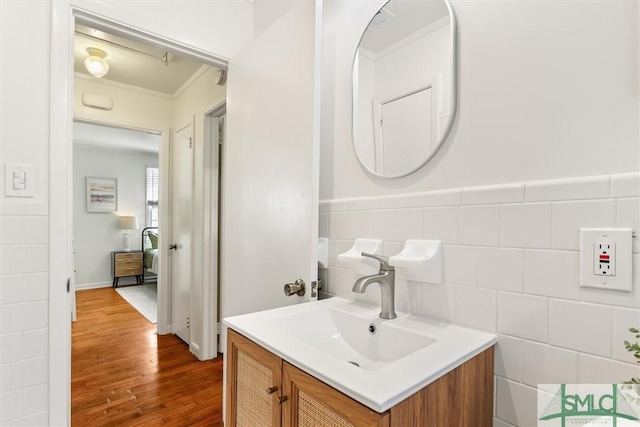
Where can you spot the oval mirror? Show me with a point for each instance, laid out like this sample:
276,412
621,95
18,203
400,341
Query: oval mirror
404,86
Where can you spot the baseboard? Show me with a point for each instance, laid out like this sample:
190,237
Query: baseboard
97,285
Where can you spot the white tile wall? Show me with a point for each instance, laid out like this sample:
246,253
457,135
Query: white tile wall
24,333
526,225
511,265
581,326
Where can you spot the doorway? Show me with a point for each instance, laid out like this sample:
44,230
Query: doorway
195,98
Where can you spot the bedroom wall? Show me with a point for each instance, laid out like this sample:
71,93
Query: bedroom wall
96,234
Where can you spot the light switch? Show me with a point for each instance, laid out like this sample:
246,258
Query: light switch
19,180
606,258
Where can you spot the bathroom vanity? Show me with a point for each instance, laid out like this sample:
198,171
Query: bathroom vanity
334,363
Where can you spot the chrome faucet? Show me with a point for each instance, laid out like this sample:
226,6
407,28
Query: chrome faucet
386,278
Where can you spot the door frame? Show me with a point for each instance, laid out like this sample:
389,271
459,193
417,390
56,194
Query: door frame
63,19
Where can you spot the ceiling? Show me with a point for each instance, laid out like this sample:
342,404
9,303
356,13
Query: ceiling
133,63
401,19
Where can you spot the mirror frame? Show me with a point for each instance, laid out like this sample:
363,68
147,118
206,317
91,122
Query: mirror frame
453,106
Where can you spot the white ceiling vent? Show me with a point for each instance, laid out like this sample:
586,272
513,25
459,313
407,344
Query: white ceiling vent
382,17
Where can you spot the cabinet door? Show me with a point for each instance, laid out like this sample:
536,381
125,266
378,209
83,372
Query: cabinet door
254,384
313,403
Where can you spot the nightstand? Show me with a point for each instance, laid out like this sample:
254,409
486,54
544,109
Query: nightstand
125,264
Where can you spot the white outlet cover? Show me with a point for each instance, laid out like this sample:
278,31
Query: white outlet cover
590,239
27,185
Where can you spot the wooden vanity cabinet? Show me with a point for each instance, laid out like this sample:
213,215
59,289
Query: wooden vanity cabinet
264,390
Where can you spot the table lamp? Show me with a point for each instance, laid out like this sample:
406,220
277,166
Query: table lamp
127,223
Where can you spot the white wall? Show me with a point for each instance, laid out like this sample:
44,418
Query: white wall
553,116
533,104
96,234
220,28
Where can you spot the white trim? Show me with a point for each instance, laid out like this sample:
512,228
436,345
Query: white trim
95,285
63,17
211,203
60,211
409,39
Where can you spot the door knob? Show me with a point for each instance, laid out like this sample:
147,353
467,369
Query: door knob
173,246
297,288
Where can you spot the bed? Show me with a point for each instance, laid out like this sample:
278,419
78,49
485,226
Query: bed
150,263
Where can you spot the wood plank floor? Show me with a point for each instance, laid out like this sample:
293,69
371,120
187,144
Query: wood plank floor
123,374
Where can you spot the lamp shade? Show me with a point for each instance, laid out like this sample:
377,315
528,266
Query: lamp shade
128,223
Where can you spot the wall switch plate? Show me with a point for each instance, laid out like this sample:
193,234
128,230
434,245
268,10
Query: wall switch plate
18,180
606,258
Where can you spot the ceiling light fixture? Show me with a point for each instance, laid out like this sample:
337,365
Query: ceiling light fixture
95,63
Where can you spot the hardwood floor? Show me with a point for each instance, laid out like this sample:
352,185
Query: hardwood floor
123,374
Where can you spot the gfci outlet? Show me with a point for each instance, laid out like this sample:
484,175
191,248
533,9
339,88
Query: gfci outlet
606,258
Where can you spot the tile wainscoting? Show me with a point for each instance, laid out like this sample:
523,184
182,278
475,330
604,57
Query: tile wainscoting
511,266
24,318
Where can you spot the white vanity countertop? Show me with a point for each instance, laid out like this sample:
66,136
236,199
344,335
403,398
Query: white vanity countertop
380,387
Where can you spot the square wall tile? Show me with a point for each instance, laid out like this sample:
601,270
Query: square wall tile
476,308
552,273
11,288
408,297
407,224
36,286
337,281
508,358
358,225
439,301
628,216
28,316
11,230
525,225
623,319
35,343
338,225
11,348
6,323
479,225
30,258
36,229
581,326
524,316
516,403
27,373
500,268
382,225
598,370
460,264
545,364
441,224
570,217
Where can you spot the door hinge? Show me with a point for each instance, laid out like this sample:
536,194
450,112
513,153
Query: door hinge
218,328
190,142
188,322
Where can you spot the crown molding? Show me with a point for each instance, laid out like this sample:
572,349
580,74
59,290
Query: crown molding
412,37
81,76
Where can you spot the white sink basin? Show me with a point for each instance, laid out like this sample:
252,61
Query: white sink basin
331,340
361,340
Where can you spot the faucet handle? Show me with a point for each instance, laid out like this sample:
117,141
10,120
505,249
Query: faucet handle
384,261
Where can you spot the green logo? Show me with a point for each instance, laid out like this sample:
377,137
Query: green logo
585,403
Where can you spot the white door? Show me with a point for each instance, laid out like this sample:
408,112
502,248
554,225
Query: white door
181,226
270,186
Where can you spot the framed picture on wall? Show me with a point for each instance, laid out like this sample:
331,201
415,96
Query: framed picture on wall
102,194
